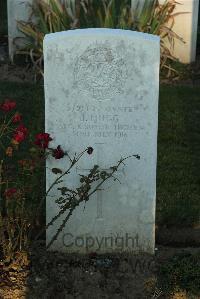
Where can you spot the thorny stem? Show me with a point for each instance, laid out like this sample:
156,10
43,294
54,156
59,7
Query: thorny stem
73,162
77,202
5,127
51,222
61,227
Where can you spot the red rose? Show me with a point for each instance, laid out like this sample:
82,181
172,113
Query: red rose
58,153
42,140
10,192
90,150
21,128
19,137
20,133
16,118
8,105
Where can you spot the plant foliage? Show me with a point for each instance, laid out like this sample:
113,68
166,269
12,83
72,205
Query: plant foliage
52,16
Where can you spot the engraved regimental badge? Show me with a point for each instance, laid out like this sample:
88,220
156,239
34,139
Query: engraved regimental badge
100,72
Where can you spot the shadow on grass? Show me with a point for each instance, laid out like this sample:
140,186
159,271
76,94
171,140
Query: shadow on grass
178,179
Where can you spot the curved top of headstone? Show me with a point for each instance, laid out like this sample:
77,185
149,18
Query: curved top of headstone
103,31
99,59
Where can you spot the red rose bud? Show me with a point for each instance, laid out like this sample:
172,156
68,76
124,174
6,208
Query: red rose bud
58,153
90,150
21,128
10,192
19,137
16,118
42,140
20,133
8,105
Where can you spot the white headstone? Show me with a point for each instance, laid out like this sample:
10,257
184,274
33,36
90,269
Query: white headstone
18,10
101,90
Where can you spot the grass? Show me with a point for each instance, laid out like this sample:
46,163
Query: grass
180,273
178,179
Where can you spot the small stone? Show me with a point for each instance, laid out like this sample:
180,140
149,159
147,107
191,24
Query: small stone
103,262
38,279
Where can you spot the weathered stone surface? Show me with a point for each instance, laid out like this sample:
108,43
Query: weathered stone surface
101,90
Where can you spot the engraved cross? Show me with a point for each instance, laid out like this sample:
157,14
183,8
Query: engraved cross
98,194
99,149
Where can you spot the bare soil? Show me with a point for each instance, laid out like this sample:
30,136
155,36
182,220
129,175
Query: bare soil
16,73
49,275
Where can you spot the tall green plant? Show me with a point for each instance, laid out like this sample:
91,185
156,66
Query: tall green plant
103,13
53,16
158,19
